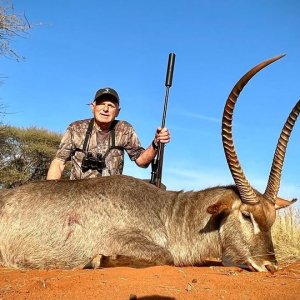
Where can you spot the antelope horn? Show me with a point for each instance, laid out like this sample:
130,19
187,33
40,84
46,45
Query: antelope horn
247,194
275,173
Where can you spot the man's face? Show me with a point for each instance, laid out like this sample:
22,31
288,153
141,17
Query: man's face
105,111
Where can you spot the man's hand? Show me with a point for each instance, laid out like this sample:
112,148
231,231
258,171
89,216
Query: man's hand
162,135
55,170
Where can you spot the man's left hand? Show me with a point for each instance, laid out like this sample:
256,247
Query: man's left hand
162,136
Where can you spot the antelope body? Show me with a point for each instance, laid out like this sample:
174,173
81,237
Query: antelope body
126,221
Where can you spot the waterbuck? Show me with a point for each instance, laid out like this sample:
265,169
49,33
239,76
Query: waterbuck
126,221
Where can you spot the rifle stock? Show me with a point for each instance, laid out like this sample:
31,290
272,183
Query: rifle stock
157,163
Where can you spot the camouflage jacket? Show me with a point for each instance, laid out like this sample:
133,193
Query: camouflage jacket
99,142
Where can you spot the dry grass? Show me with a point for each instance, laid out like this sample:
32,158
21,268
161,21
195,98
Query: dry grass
286,236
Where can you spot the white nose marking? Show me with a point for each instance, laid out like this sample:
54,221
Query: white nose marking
255,225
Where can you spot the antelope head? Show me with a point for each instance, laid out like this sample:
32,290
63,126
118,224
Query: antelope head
254,214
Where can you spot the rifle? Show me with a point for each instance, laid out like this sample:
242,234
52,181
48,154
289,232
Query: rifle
157,163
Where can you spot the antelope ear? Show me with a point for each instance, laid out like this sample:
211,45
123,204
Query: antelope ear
281,203
219,207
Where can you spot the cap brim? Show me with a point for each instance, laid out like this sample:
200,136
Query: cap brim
108,97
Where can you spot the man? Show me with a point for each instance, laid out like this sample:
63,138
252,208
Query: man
96,146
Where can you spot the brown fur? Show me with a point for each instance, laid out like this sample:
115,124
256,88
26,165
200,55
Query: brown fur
66,224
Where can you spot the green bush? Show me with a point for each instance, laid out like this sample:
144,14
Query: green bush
25,154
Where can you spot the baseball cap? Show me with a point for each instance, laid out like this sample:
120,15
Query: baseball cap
111,93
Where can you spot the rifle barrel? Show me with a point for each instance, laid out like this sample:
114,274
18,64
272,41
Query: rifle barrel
160,153
169,76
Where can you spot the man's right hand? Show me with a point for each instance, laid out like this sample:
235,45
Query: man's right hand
56,169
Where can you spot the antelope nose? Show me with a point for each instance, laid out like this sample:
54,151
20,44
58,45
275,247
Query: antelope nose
272,268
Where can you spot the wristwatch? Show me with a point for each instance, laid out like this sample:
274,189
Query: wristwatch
155,147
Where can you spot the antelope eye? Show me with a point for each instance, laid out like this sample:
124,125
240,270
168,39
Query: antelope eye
246,215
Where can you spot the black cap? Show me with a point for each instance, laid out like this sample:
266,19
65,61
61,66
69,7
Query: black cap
109,93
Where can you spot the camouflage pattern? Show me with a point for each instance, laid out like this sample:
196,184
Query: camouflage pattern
99,143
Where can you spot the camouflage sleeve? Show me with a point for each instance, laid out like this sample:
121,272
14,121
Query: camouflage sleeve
64,149
131,142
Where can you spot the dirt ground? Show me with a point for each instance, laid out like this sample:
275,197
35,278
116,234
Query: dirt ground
165,282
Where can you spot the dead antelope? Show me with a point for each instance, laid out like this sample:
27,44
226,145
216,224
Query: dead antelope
125,221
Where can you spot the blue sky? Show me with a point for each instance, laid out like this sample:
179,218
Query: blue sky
76,47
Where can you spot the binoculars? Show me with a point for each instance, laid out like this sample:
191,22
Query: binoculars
89,162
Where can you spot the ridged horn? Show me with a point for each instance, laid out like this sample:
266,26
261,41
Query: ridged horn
275,173
247,194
